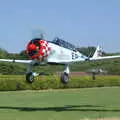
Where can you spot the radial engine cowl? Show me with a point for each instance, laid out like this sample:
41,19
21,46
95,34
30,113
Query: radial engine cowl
37,49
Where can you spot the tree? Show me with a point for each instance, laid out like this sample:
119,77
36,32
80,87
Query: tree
88,51
23,55
3,53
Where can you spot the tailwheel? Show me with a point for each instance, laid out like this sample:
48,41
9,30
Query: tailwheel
29,77
64,78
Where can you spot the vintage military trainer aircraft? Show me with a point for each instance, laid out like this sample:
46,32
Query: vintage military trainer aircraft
57,51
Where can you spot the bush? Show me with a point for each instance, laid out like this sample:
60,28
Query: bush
17,82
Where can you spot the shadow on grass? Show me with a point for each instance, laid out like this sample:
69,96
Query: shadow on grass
82,108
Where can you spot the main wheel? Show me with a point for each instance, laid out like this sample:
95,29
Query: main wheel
30,77
64,78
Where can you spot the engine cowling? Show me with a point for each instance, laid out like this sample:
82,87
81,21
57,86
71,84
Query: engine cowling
38,49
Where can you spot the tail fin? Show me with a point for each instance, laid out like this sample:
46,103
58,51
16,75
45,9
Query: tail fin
98,52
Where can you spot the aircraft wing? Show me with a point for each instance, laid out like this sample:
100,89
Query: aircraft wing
16,61
106,57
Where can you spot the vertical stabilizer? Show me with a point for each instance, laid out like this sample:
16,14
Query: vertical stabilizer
98,52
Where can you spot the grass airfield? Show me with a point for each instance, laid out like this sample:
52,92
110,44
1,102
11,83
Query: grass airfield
68,104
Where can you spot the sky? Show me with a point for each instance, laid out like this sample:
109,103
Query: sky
80,22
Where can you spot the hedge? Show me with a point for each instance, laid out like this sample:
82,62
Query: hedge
17,82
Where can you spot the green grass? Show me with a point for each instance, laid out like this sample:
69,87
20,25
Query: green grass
67,104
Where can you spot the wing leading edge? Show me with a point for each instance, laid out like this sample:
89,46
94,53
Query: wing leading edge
106,57
16,61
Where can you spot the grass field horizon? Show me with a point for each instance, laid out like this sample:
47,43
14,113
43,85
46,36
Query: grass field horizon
72,104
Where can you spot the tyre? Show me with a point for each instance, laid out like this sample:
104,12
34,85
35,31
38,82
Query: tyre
29,78
64,78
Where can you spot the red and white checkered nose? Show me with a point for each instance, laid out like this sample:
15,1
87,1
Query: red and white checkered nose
44,51
38,49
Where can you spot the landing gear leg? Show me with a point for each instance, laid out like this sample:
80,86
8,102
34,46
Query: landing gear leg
65,75
30,76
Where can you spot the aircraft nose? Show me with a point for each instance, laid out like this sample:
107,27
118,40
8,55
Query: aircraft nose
44,48
32,47
38,49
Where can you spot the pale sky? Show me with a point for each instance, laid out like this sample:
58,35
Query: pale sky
80,22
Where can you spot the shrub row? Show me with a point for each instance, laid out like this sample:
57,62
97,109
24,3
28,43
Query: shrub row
17,82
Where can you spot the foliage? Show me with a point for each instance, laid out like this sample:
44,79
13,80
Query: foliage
3,53
88,51
17,82
112,66
11,68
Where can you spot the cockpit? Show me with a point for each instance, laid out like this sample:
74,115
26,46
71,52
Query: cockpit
63,43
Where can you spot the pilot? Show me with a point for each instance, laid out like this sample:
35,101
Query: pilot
57,41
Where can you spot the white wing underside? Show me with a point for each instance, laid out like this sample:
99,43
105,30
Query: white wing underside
106,57
16,61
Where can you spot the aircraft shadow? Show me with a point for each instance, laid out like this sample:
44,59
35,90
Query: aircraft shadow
83,108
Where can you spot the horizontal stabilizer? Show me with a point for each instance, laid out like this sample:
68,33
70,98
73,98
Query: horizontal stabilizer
98,55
